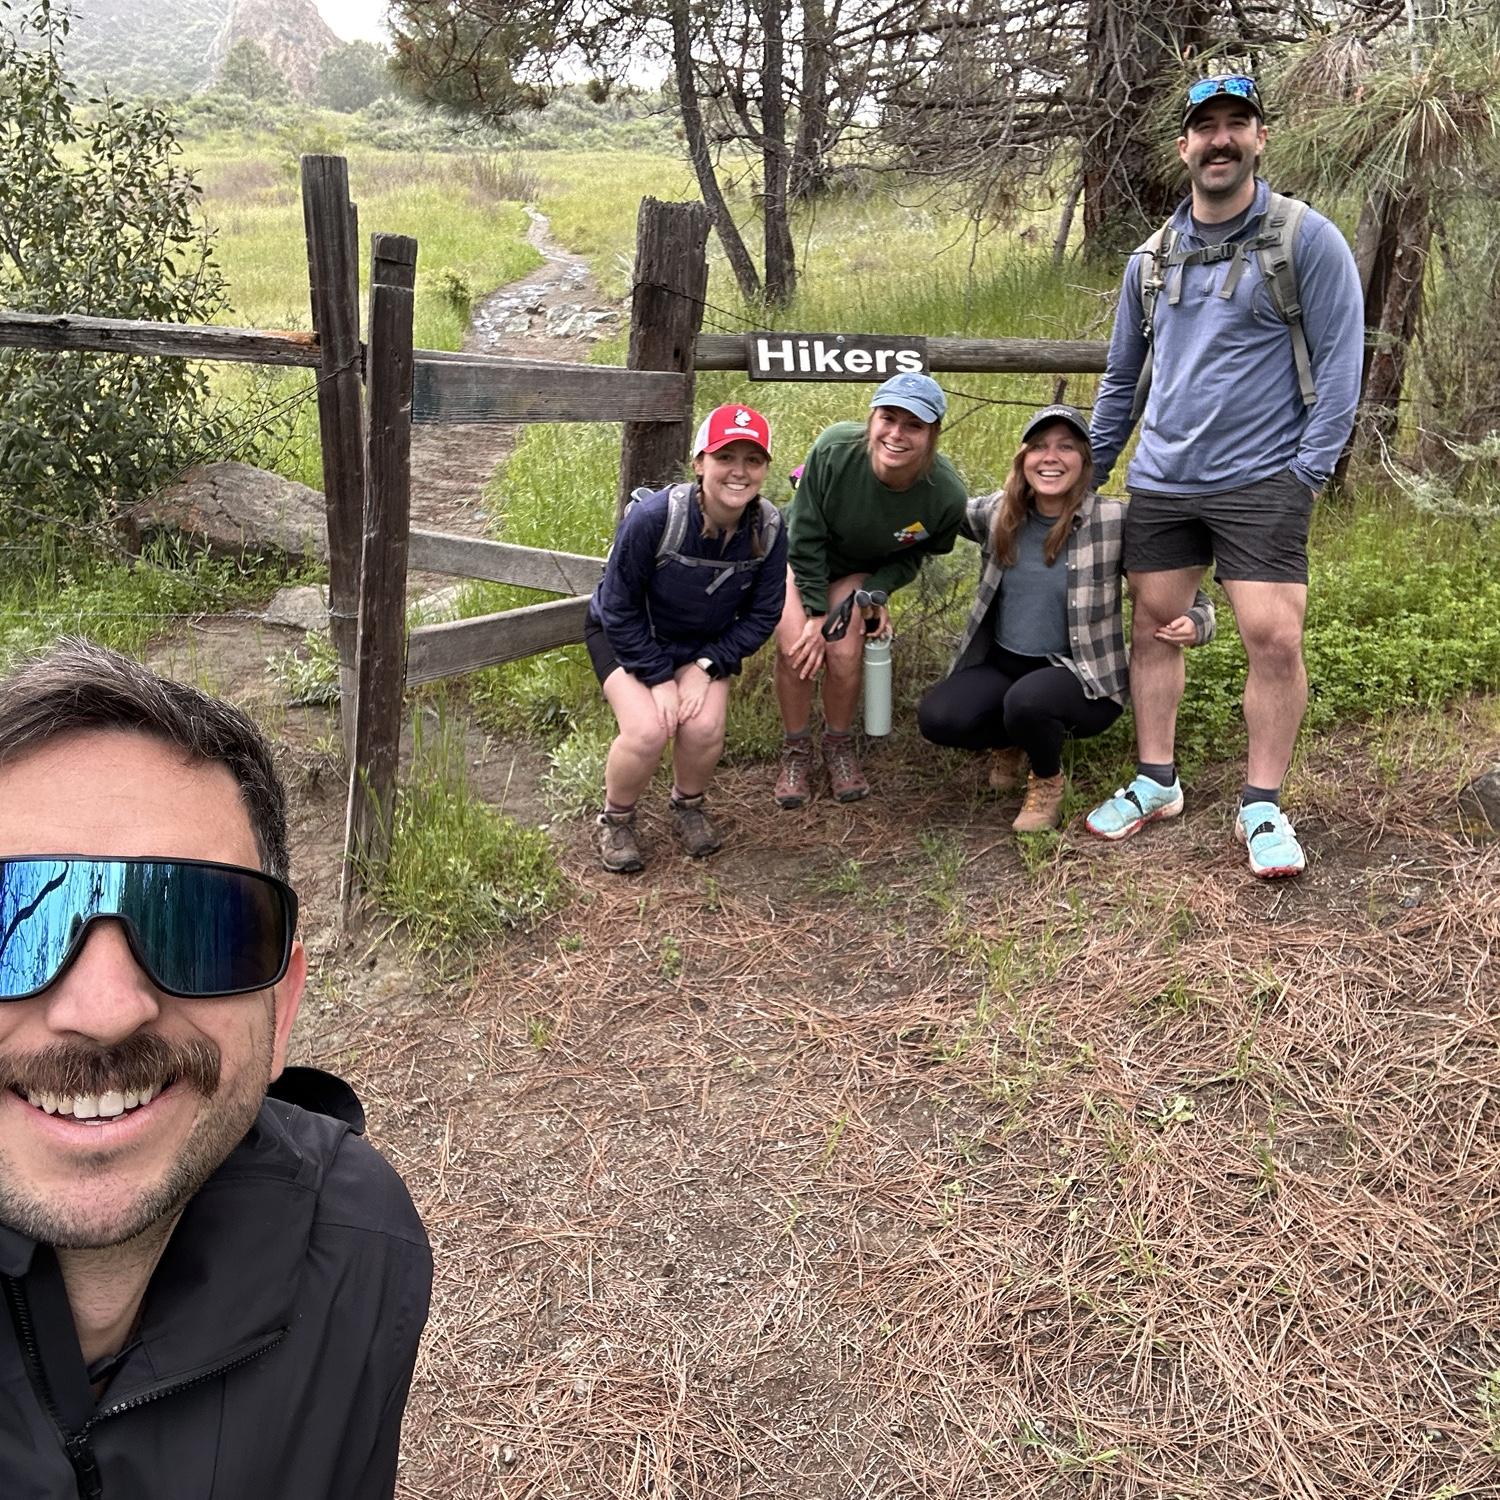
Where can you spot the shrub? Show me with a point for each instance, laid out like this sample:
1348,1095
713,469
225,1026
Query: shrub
99,219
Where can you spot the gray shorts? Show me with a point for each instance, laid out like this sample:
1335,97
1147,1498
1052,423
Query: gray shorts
1257,534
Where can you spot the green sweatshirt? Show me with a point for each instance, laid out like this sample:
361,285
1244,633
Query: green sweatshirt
843,520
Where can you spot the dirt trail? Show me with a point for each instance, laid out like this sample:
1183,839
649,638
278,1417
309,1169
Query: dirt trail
552,314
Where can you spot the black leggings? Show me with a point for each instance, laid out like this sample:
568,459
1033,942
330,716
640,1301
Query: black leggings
1014,700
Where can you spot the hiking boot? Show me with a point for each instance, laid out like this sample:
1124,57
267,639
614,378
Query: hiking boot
695,830
619,851
1007,769
845,779
1042,808
1268,835
1132,807
794,783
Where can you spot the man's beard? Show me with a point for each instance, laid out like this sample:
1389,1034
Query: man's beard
1231,185
143,1061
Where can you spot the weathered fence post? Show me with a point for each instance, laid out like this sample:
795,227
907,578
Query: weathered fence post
387,526
666,312
333,279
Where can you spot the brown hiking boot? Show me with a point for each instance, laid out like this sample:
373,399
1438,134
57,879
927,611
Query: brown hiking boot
695,830
1007,769
619,851
845,779
794,783
1042,808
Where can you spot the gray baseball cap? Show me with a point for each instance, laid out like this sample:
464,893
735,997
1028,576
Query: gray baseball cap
1057,413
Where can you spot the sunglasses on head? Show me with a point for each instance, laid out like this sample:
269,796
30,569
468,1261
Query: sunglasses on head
199,930
1241,85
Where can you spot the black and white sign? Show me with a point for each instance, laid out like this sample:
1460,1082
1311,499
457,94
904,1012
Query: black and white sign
834,356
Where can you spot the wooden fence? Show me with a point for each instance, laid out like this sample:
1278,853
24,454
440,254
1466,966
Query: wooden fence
370,395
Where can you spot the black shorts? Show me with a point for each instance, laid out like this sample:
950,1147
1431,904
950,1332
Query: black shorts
601,653
1257,534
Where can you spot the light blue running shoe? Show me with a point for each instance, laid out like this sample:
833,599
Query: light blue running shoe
1268,834
1132,807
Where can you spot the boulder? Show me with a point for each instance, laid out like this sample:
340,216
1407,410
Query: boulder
300,608
234,509
1479,802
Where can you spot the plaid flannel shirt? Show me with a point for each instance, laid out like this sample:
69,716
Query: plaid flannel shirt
1096,627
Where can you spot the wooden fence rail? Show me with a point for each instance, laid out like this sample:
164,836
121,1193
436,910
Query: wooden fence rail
503,562
512,390
71,333
458,646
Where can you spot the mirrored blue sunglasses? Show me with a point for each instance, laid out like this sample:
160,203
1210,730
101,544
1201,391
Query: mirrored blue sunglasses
1241,85
199,930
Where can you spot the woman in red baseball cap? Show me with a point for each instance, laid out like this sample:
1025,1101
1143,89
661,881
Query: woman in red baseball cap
694,583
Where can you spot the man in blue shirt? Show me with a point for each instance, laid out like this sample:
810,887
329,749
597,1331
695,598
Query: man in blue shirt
1236,440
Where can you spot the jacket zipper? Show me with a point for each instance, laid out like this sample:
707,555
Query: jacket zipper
79,1445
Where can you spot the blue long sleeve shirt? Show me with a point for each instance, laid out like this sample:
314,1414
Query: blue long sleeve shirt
1224,409
658,618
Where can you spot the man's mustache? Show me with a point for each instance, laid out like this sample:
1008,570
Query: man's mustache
141,1062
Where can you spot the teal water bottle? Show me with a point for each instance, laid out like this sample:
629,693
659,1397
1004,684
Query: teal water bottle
878,686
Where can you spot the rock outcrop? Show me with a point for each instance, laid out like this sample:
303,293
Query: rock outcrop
290,32
232,510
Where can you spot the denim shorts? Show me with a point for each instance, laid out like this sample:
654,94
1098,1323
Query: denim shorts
1256,534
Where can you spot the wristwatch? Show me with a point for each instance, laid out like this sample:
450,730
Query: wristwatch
705,664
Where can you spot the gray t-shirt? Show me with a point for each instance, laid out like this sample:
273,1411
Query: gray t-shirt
1032,619
1216,234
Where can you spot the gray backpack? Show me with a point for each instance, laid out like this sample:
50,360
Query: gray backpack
1275,249
669,548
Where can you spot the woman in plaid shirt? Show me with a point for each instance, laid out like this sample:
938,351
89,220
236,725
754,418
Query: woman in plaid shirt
1043,653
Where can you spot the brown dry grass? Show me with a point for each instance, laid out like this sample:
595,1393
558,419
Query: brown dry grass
1123,1176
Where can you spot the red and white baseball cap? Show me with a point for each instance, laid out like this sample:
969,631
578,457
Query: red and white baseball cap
728,424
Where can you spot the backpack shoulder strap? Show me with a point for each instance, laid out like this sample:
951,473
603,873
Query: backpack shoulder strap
1277,252
770,528
1157,250
675,530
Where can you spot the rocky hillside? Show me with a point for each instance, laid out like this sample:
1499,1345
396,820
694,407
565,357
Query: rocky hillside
144,46
290,32
177,46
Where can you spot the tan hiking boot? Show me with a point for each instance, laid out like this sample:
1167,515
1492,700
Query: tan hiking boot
845,779
1007,769
696,831
1042,808
794,783
619,850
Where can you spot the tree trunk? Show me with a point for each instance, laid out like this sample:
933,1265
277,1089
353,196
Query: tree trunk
811,171
1400,313
1065,224
747,278
1132,47
781,262
1374,255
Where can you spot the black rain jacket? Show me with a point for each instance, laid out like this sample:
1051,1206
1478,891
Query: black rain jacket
276,1338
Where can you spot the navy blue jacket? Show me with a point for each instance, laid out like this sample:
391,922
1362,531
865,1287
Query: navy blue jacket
658,618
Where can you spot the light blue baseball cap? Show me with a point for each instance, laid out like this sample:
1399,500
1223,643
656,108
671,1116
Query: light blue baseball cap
921,395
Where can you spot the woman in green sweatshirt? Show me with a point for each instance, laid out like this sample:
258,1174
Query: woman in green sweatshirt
874,500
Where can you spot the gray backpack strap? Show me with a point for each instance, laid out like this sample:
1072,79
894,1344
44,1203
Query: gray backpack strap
675,530
1153,278
1277,252
770,528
